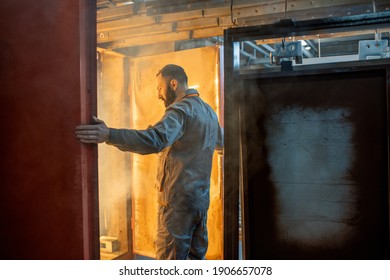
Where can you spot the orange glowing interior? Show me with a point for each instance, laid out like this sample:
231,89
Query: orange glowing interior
127,98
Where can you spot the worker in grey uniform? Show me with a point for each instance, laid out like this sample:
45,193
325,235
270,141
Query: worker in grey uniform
185,138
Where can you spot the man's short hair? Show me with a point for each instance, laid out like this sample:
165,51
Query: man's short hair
172,71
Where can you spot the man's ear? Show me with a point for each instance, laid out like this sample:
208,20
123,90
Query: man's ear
173,84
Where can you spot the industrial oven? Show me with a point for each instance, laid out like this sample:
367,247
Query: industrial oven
306,139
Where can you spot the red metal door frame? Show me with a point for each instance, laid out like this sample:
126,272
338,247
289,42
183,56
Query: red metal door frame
88,82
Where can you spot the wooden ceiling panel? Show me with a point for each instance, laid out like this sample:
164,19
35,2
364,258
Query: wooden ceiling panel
114,13
148,40
184,6
149,22
155,29
134,21
196,24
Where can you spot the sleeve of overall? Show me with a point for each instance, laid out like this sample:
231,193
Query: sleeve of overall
152,140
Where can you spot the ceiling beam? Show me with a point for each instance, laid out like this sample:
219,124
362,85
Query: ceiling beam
113,13
128,22
180,16
184,7
196,24
298,5
173,6
149,40
135,32
152,3
207,32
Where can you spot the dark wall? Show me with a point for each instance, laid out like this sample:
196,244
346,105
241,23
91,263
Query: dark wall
46,191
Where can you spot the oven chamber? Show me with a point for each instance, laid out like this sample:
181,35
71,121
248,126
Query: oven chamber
306,139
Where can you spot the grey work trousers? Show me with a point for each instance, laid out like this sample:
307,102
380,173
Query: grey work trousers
181,235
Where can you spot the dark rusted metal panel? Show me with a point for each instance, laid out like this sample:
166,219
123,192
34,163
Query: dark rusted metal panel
316,166
343,111
48,179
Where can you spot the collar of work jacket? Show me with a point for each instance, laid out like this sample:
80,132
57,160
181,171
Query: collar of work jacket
188,93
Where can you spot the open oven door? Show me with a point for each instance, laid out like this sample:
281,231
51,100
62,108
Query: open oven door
48,87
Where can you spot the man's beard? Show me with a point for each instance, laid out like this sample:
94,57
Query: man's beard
171,96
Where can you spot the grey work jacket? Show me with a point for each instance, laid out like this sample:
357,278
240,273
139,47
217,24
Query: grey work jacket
185,138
